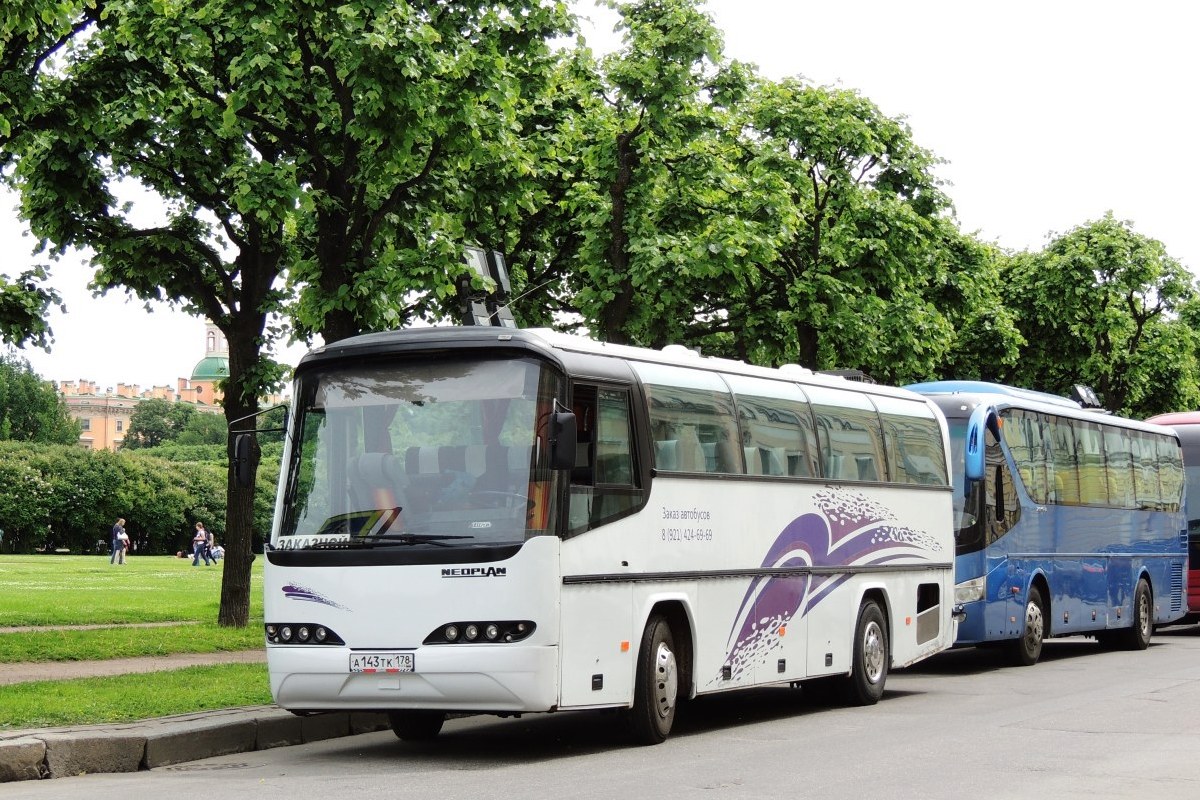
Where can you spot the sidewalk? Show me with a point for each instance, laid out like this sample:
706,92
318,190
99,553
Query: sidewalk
145,744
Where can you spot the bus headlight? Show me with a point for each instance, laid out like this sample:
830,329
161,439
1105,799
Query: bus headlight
297,633
969,591
468,632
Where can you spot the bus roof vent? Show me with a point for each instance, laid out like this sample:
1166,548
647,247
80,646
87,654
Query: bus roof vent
795,369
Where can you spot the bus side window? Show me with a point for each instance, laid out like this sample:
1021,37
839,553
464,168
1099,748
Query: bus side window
604,482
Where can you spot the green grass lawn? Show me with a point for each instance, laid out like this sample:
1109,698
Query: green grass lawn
132,697
43,591
87,590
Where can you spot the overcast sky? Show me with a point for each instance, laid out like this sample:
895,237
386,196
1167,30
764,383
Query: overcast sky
1048,114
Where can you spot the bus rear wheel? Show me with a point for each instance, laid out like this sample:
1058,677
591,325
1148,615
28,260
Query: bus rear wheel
1137,635
864,685
656,687
1027,649
416,726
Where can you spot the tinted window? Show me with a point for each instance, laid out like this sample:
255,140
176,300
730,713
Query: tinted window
914,442
691,420
849,436
778,437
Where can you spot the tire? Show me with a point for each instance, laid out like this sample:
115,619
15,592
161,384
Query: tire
1027,649
656,686
416,726
872,655
1141,627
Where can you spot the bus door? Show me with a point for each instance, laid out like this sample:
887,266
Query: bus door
1022,530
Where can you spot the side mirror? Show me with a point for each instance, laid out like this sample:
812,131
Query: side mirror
243,468
974,456
562,440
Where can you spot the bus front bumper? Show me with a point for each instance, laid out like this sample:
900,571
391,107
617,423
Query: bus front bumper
486,678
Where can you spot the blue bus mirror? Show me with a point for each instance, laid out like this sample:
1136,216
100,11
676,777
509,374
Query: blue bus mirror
973,445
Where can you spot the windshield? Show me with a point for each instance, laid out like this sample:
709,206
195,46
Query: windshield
436,453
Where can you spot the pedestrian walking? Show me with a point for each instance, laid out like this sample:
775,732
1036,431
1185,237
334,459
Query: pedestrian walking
200,546
119,540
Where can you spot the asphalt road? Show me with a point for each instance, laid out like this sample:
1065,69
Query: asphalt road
1083,723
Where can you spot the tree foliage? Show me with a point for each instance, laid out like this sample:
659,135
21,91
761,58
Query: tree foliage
24,307
31,410
276,135
156,421
70,496
1101,305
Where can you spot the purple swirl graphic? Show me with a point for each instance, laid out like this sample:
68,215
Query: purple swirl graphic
848,529
304,593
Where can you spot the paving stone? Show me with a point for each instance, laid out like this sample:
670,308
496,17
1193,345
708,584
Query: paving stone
22,759
92,750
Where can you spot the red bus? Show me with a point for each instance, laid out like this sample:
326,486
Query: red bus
1187,425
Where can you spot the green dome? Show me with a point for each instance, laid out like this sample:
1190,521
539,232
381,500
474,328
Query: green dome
212,368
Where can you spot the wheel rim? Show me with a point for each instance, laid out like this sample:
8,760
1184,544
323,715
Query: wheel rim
874,655
1034,627
666,681
1143,613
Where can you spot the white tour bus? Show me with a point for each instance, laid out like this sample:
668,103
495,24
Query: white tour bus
491,520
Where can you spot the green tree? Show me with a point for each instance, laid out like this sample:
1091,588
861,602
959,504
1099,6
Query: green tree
864,237
656,225
156,421
94,110
986,343
204,429
24,307
31,410
273,134
1100,305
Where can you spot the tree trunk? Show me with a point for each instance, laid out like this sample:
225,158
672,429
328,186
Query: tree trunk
807,341
244,356
615,315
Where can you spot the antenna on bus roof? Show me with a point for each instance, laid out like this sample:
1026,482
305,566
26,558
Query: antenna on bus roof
488,308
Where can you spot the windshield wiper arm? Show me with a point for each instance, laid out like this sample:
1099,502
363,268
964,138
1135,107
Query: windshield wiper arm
401,539
385,540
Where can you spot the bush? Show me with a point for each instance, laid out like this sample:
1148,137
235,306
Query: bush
70,497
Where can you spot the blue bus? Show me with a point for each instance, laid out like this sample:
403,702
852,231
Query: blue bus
1070,521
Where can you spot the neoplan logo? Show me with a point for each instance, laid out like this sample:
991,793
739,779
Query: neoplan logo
475,572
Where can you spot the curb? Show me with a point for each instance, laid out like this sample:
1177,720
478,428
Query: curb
146,744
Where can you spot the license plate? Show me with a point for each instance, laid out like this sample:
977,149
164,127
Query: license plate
381,662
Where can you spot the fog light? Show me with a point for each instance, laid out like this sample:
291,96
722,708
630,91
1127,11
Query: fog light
302,634
285,633
320,634
451,633
472,633
492,630
271,631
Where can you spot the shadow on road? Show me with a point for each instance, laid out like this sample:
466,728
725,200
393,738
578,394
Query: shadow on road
484,742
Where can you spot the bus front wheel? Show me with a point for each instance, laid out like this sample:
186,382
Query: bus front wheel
1028,647
864,685
416,726
656,686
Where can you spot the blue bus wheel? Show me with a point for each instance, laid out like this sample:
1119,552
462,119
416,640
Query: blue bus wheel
1027,649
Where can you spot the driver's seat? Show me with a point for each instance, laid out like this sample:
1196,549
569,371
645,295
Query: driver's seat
377,481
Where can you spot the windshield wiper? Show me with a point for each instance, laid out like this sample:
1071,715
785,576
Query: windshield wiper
400,539
385,540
